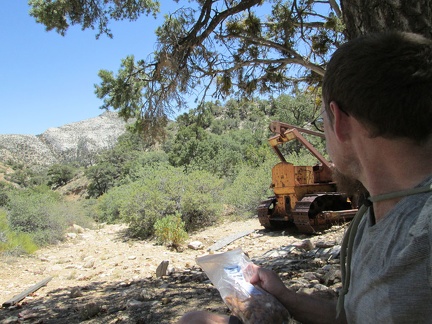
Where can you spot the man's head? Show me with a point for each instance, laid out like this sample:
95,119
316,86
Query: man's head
384,80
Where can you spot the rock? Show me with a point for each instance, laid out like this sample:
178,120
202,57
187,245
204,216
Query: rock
27,314
147,294
161,270
306,245
165,300
89,310
133,303
195,245
323,244
56,267
72,266
310,276
89,263
332,276
320,287
78,229
75,292
11,320
71,235
306,290
132,257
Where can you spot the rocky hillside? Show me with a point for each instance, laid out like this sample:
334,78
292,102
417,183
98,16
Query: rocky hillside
65,143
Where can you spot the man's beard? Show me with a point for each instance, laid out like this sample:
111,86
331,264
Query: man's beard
350,186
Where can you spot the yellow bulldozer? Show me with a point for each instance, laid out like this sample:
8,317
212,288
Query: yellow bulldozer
304,196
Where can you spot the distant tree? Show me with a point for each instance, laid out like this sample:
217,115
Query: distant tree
187,145
59,175
297,109
86,152
196,149
102,177
118,164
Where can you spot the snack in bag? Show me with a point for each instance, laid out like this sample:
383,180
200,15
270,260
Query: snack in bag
251,304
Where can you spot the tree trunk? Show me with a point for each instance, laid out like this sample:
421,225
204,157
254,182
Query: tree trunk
363,17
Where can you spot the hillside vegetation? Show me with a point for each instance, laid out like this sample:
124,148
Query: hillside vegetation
211,163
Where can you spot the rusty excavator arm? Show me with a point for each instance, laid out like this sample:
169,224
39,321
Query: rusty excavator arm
287,132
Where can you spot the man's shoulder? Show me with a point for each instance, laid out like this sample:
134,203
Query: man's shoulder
419,200
426,212
427,207
428,204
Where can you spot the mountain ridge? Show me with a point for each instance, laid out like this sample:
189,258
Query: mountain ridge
68,143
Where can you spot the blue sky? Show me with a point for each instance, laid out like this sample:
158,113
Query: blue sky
47,80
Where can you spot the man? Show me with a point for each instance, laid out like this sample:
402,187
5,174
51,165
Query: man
377,95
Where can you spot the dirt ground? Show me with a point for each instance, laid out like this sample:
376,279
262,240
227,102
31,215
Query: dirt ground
101,276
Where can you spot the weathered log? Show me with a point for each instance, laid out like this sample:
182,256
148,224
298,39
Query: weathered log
25,293
227,240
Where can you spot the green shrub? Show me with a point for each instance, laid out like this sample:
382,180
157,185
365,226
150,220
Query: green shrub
251,186
200,203
163,190
4,199
108,206
143,209
14,243
170,230
43,214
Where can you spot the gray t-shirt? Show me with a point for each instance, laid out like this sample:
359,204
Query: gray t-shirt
391,277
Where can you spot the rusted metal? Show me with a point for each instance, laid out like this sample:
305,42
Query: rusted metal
293,134
264,212
278,127
317,212
304,195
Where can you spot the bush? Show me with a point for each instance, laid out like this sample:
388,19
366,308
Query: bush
161,191
30,212
108,205
14,243
200,204
249,188
26,176
4,199
43,214
143,209
170,230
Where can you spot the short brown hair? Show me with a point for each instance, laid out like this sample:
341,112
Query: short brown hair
385,81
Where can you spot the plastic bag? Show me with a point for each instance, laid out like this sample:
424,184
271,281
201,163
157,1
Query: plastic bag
249,303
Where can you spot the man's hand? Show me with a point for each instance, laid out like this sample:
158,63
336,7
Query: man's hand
265,279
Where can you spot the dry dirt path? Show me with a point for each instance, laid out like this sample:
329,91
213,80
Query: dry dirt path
100,276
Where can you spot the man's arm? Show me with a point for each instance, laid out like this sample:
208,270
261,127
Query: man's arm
304,308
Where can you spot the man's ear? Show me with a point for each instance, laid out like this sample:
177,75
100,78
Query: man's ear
341,122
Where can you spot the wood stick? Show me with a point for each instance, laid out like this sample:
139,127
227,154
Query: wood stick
25,293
